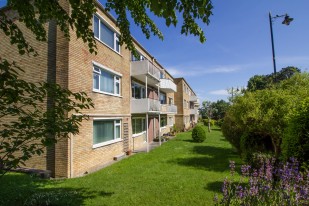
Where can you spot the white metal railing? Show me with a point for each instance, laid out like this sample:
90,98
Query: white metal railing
145,105
193,98
168,84
144,67
193,111
168,108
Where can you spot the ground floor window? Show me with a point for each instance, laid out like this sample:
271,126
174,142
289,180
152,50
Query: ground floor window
163,121
138,125
105,131
170,121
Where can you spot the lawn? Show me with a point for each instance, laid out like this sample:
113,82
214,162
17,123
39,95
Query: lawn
180,172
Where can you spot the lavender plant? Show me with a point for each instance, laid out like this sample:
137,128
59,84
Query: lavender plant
282,184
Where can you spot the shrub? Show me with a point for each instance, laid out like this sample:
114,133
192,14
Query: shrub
266,114
219,122
205,122
295,142
231,131
198,134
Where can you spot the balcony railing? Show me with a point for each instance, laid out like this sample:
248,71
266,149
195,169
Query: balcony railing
168,108
194,111
168,86
144,67
193,98
145,105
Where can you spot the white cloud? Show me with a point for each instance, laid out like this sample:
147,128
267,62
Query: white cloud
297,61
219,92
198,69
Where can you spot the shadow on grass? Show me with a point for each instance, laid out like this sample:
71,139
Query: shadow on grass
21,189
216,129
215,186
210,158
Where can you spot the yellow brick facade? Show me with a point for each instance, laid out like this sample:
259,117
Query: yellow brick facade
70,64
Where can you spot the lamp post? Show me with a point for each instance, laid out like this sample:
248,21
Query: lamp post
287,20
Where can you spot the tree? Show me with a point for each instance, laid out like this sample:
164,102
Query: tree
257,121
259,82
32,127
81,12
27,126
219,109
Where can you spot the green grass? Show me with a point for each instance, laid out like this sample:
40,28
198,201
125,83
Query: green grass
180,172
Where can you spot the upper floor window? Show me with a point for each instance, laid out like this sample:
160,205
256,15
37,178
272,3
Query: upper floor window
106,81
105,34
139,57
162,76
138,91
162,98
170,100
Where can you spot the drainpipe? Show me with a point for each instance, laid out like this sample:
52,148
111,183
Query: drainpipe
71,155
159,115
147,114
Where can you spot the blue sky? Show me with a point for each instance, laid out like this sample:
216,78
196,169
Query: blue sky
238,45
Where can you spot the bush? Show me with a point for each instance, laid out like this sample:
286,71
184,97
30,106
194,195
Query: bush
295,142
198,134
231,131
219,122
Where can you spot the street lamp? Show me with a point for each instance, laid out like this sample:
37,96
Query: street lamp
287,20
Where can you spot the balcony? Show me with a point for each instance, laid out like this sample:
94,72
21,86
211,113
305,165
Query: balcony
194,111
167,86
145,105
145,71
168,108
193,98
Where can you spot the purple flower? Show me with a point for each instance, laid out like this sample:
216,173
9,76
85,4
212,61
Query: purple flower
232,167
245,170
240,192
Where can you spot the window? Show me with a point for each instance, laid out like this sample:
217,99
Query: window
105,34
162,76
163,121
184,104
138,91
140,57
138,125
170,101
162,98
170,121
106,131
106,81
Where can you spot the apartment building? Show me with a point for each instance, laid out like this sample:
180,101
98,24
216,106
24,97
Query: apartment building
134,98
152,108
187,104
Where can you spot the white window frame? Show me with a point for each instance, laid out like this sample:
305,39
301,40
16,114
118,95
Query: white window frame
115,140
96,68
170,121
116,34
143,129
143,90
165,122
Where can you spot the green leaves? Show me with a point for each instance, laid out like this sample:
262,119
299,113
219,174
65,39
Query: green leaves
33,116
265,114
190,10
